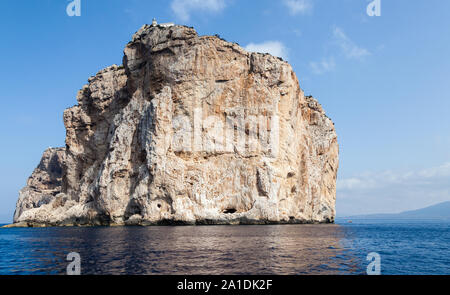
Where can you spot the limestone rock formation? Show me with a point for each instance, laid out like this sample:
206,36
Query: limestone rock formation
44,184
190,130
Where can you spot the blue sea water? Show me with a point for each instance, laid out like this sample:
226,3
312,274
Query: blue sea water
405,248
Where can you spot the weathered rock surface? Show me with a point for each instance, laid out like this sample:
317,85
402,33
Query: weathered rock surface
44,184
190,130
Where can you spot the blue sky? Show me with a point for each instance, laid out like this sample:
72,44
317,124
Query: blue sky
384,80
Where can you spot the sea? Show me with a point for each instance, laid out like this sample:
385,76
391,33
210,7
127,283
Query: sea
401,247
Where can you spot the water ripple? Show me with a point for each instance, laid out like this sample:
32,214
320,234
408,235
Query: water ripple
288,249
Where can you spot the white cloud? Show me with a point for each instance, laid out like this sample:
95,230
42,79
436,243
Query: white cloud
348,47
324,66
276,48
298,6
184,8
389,192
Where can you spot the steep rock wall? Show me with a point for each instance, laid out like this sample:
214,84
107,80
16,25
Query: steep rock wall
190,130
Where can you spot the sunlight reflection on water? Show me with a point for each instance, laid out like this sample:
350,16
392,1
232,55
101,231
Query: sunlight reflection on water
288,249
271,249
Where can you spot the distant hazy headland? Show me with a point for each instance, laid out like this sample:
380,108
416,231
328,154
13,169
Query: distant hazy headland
438,211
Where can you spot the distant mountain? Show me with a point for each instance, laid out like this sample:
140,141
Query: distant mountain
438,211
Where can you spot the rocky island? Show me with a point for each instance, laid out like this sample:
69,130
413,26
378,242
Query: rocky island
189,130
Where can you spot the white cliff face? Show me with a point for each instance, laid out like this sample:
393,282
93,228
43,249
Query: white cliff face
190,130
